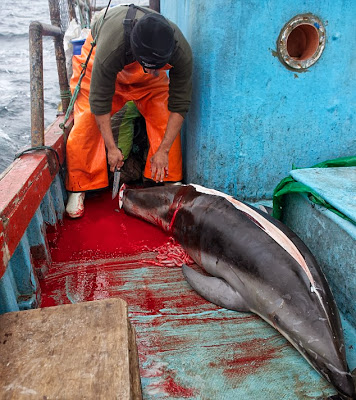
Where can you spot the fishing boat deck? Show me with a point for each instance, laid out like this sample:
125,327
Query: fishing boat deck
188,348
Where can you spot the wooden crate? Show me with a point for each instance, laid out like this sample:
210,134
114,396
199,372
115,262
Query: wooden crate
77,351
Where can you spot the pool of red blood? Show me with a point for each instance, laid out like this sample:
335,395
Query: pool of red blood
103,232
92,255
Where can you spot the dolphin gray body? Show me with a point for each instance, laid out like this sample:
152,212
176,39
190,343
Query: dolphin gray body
257,264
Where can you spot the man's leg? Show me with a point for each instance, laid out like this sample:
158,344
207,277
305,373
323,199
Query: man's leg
86,158
86,155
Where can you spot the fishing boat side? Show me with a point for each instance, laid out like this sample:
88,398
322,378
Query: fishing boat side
32,199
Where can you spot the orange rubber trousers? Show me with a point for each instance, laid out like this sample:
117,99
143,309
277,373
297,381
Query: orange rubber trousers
86,155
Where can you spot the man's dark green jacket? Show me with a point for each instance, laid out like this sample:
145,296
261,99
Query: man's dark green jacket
110,59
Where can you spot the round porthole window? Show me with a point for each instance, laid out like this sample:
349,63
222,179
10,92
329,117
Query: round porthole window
301,41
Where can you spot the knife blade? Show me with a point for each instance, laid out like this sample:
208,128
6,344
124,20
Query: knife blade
115,186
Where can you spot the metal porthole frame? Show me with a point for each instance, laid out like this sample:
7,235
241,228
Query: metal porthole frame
300,20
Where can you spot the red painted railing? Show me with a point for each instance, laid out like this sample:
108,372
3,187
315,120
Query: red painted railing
22,187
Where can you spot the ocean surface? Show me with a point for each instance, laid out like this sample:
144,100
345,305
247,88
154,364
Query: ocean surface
15,114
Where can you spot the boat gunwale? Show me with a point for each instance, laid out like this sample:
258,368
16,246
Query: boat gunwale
23,185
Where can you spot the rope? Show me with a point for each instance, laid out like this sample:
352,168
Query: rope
38,148
82,74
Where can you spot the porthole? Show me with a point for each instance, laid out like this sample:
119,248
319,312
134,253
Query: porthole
301,41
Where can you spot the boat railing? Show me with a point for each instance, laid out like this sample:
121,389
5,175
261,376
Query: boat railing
32,194
36,32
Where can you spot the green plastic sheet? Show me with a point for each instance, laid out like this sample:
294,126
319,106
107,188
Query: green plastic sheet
126,128
289,185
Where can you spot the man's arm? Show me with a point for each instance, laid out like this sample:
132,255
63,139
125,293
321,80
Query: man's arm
180,92
115,157
159,161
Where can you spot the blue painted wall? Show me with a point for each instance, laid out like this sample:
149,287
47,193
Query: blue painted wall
251,118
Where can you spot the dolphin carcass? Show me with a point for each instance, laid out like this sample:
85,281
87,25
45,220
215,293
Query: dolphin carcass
257,265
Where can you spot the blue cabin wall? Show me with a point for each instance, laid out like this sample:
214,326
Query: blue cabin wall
251,118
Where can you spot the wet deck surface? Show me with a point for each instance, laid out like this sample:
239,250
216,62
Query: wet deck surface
188,348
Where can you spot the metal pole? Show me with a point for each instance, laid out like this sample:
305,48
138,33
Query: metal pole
36,32
36,85
89,11
60,55
71,10
155,5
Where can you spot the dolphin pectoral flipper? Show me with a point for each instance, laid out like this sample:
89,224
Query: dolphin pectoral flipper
215,290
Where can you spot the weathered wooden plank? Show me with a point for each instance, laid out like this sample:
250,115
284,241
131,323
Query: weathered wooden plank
76,351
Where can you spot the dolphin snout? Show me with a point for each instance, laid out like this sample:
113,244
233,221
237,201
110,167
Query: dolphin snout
344,384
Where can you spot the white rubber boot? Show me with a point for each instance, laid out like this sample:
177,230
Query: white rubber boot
75,205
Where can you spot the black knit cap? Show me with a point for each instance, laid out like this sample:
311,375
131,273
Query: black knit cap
152,41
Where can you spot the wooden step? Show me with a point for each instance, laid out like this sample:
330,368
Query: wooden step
77,351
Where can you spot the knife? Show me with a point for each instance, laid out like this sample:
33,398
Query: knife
115,186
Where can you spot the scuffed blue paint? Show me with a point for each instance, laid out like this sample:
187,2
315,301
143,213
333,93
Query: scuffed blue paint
19,288
332,241
216,361
37,239
350,340
251,118
48,209
59,196
336,185
8,293
26,280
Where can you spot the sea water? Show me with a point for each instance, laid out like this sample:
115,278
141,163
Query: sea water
15,114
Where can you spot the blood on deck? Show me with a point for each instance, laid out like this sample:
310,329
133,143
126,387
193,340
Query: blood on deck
188,347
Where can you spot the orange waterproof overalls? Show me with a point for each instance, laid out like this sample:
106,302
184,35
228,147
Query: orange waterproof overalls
86,156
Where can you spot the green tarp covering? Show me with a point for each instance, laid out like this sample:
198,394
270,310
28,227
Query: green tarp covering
125,124
289,185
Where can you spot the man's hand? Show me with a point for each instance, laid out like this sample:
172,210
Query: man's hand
159,161
159,165
115,158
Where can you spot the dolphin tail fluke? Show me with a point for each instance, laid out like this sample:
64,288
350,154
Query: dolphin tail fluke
215,290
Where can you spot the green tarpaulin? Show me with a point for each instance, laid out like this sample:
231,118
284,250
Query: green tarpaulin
289,185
